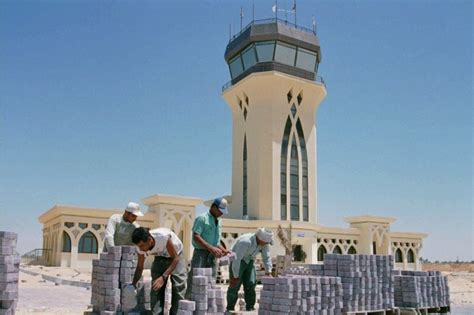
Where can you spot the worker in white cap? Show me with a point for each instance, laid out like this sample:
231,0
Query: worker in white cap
242,269
121,226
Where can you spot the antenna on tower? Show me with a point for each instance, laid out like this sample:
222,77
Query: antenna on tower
253,12
314,24
294,9
241,16
230,31
275,9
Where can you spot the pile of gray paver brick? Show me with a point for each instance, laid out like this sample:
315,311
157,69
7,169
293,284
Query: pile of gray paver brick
421,289
294,294
110,274
367,280
9,268
207,297
186,307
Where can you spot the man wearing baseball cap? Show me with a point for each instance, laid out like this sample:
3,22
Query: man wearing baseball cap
242,270
206,240
121,226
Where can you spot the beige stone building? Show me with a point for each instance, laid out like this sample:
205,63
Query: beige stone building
273,97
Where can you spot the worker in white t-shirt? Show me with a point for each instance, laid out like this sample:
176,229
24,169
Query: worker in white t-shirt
167,248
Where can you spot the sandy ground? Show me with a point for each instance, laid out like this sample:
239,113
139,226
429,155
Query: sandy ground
42,297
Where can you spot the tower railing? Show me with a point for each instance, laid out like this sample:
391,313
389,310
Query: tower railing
319,79
274,20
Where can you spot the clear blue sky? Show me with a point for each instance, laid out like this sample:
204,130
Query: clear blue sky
102,102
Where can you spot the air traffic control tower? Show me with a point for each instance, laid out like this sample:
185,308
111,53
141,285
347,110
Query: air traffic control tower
274,94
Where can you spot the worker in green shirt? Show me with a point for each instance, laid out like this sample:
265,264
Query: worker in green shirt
206,240
242,269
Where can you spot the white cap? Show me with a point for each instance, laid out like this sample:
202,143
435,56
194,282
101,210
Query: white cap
134,208
265,235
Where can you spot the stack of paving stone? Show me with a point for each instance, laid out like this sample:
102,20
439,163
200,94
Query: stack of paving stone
310,269
226,260
367,280
208,298
421,289
186,307
293,294
110,274
9,267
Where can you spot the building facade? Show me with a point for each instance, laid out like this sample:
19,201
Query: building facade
273,96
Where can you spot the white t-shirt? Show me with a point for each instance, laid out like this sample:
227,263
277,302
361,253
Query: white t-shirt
161,237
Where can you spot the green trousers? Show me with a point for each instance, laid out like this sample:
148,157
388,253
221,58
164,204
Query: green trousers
247,277
178,285
201,259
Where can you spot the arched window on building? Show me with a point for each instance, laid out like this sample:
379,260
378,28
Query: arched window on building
245,209
410,256
352,251
88,244
283,159
66,243
398,256
337,250
321,252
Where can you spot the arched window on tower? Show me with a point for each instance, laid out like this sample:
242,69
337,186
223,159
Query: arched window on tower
410,256
88,244
283,159
245,208
294,182
66,243
398,256
337,250
321,252
304,160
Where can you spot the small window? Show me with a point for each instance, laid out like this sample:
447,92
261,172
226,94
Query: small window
352,251
235,66
337,250
398,256
410,256
306,60
96,227
66,243
249,58
88,244
285,54
83,225
321,252
265,51
69,224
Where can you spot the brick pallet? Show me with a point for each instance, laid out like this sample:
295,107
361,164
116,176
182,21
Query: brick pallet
110,274
295,294
9,269
421,289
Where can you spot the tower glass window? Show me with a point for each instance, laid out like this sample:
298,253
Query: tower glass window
285,54
265,51
245,209
236,67
283,159
306,60
248,57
